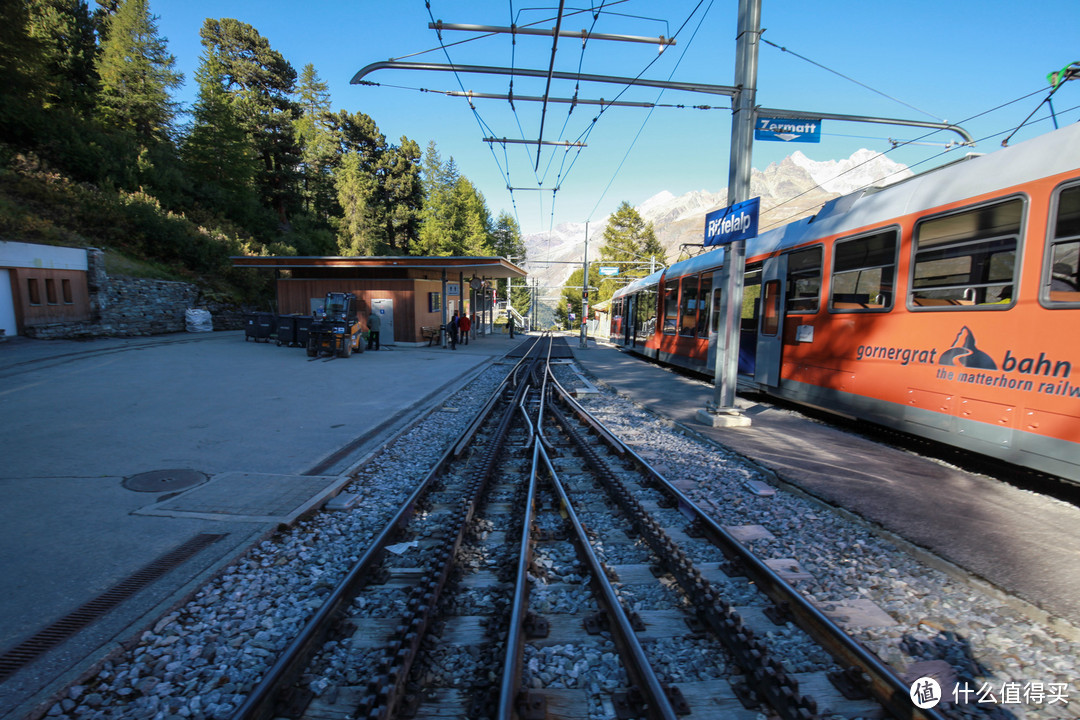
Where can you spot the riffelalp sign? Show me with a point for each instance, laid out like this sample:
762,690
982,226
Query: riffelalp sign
738,222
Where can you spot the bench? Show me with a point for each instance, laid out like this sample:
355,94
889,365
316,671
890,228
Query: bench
431,334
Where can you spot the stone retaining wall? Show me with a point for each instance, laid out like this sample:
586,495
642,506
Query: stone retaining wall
125,307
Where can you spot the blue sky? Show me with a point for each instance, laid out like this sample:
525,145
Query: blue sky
942,61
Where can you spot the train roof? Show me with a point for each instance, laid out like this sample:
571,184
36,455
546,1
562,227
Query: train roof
1047,155
1051,154
636,285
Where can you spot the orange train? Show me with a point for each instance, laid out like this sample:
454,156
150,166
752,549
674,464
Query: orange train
946,305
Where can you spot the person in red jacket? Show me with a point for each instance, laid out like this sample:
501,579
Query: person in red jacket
465,324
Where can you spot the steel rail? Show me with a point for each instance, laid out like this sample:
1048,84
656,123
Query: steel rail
260,702
510,687
884,685
481,416
762,671
387,689
638,667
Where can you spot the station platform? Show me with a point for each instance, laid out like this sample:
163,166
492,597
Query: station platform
1020,543
100,437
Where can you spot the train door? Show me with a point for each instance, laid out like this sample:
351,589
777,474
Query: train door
770,335
714,303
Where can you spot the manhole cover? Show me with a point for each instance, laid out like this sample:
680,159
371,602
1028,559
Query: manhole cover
164,480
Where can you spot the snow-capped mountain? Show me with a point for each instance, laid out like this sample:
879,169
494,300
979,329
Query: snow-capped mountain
789,190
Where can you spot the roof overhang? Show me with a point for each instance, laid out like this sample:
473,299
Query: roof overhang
484,267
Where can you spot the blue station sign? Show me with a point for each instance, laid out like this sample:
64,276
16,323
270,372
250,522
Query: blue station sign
738,222
806,130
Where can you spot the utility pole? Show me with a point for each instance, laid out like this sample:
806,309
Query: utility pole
585,292
722,411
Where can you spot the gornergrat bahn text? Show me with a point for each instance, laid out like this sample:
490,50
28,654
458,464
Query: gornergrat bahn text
946,305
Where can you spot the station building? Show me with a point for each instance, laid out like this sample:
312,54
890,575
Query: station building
413,295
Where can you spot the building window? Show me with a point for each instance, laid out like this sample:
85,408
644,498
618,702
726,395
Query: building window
33,290
434,301
50,291
65,288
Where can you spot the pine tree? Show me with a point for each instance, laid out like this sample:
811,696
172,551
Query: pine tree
315,136
22,67
65,32
357,179
630,242
217,152
361,231
403,195
508,243
261,83
137,76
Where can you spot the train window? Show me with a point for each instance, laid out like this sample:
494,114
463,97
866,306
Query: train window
1064,267
864,273
671,306
804,280
967,258
704,308
688,306
751,299
770,308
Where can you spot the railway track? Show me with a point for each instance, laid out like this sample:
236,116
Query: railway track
469,588
543,569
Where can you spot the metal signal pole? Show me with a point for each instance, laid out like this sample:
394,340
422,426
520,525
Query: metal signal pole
722,410
585,291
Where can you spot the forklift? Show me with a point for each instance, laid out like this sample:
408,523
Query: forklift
335,328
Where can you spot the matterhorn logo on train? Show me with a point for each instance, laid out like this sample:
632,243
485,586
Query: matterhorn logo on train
965,362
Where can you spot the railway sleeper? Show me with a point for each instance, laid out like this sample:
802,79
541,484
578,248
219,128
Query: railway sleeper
633,704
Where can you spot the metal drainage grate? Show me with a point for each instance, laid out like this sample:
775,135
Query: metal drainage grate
18,657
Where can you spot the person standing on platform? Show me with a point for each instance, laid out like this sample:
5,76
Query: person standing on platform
466,325
374,322
452,331
510,323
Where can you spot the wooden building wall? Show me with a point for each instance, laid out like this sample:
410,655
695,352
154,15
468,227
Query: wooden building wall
410,296
43,296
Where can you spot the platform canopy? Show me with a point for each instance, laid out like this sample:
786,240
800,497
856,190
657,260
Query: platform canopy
485,267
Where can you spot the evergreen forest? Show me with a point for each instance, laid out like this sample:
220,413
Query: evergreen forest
95,151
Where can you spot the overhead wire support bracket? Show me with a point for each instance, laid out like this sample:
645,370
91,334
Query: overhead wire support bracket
583,34
705,88
536,98
560,143
797,114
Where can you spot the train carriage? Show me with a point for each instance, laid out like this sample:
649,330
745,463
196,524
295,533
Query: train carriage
946,305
